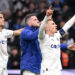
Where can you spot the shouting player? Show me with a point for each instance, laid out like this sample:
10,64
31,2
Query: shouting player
49,39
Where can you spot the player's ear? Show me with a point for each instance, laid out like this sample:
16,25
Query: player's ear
29,22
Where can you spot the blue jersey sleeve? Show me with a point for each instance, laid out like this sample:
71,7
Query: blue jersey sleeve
29,35
62,32
63,46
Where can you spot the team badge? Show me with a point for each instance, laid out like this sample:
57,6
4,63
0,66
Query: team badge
43,71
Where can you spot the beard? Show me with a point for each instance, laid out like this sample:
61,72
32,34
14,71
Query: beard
2,26
55,31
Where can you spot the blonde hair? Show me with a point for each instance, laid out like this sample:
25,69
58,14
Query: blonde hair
1,12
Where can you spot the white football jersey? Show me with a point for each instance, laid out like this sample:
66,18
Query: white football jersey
50,48
4,34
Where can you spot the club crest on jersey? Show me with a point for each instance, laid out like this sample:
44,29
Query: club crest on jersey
43,71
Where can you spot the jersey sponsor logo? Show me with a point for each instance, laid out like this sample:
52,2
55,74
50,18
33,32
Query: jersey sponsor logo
57,39
3,41
55,46
52,39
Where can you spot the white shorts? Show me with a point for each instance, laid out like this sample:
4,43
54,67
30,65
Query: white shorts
26,72
50,72
3,71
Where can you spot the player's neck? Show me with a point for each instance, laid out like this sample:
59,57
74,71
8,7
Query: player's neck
51,34
1,28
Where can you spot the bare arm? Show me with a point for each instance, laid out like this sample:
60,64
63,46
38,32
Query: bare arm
17,32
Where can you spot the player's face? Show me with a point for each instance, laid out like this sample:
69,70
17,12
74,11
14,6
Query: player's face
52,27
1,20
35,21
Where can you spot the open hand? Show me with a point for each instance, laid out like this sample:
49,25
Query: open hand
71,47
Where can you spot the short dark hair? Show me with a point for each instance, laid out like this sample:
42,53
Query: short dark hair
28,16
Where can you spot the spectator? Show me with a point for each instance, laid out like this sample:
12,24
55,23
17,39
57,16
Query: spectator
72,60
57,5
4,5
65,8
14,59
26,3
72,32
17,5
8,18
32,8
42,7
17,25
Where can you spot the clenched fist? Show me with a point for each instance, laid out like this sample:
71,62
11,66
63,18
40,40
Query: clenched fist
49,12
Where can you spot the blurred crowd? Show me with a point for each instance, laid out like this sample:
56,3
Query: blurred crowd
15,12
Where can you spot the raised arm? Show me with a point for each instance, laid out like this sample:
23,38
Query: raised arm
69,24
42,28
49,12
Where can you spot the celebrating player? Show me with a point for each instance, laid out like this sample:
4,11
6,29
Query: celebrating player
49,39
31,54
4,34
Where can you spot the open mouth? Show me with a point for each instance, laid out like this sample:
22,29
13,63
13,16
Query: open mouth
56,27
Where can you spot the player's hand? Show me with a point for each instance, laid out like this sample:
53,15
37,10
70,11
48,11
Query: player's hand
71,47
49,12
